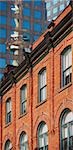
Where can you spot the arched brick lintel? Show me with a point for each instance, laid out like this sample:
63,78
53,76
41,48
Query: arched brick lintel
43,117
66,104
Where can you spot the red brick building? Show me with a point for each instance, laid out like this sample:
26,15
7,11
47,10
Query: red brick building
36,103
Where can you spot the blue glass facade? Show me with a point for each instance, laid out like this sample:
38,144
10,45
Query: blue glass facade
2,48
37,27
2,33
2,19
26,24
3,5
55,7
2,63
26,11
37,14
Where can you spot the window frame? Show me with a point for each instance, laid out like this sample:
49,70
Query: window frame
63,71
45,85
25,142
7,143
40,126
62,127
8,114
23,102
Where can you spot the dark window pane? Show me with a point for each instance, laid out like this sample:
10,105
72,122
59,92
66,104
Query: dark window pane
64,144
2,48
26,24
2,33
2,5
2,20
23,107
71,143
37,2
37,27
9,117
37,14
26,12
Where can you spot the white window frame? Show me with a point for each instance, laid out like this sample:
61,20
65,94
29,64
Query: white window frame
23,141
23,99
66,58
8,110
42,85
8,145
66,129
42,136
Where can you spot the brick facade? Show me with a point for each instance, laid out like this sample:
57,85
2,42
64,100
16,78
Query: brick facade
58,98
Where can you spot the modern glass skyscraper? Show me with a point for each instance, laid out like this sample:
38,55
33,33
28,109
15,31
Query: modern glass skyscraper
19,17
55,7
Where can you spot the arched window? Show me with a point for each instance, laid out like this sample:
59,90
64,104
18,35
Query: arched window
67,131
23,91
23,141
42,85
8,145
8,110
43,136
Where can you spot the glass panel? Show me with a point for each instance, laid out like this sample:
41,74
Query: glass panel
43,93
24,107
63,62
23,93
65,144
26,24
67,59
70,58
67,76
69,117
36,37
48,13
9,117
62,7
2,5
8,106
41,141
43,135
46,138
43,79
71,143
37,14
48,4
55,10
2,20
37,27
26,12
45,129
2,33
37,3
8,145
67,63
2,48
55,1
23,142
64,132
71,129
